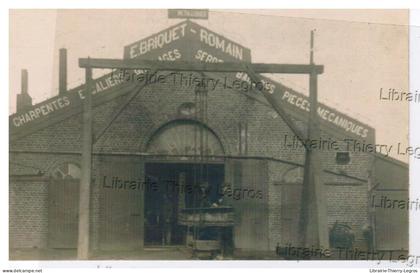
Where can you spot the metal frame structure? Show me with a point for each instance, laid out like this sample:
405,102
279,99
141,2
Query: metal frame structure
313,229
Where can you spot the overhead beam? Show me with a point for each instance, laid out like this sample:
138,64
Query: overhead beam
200,66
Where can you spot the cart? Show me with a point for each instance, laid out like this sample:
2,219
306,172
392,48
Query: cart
207,229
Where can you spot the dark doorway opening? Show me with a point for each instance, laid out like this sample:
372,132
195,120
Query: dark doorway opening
176,186
63,213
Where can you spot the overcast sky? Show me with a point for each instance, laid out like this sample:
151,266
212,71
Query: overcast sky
362,51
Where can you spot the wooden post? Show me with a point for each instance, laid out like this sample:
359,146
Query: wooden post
313,227
371,209
84,203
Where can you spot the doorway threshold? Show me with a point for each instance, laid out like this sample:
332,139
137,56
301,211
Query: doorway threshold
164,248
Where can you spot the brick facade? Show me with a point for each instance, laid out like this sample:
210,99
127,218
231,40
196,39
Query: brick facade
156,106
28,213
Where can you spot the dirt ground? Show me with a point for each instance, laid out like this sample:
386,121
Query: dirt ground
171,253
71,254
167,253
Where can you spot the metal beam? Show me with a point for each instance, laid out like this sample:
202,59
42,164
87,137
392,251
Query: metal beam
200,66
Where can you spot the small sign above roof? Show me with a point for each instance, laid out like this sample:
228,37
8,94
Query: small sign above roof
188,13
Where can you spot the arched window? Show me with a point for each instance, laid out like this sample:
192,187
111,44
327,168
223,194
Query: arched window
66,171
187,138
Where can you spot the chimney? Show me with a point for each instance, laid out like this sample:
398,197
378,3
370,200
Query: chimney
62,72
23,100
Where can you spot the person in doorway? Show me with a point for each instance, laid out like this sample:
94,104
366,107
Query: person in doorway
368,235
167,218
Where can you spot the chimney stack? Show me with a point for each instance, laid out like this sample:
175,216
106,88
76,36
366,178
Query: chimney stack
23,100
24,81
62,72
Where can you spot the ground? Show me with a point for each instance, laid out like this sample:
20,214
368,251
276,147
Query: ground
167,253
173,253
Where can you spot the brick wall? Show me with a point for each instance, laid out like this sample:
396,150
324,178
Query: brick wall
28,213
347,200
157,105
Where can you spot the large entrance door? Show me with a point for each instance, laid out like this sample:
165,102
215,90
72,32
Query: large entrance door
121,203
290,213
180,185
63,207
177,186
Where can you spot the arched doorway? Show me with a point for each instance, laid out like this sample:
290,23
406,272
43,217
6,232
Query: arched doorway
188,173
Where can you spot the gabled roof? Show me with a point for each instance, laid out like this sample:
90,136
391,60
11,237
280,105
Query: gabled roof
187,41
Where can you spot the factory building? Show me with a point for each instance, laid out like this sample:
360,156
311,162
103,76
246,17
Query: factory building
182,135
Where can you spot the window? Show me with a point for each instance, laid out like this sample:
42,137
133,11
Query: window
342,158
67,171
185,138
243,138
187,109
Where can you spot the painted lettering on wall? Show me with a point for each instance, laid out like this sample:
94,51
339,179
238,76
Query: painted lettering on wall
326,114
304,104
42,110
220,43
102,84
157,41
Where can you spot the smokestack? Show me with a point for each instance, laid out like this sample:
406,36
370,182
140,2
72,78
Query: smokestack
23,100
24,81
62,72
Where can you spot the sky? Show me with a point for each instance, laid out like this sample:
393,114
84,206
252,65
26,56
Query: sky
362,51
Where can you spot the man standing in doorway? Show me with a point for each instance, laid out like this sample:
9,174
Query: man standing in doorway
167,218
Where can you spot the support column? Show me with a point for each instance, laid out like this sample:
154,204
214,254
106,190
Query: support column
313,226
85,181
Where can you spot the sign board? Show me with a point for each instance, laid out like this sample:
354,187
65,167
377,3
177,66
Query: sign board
188,13
190,42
